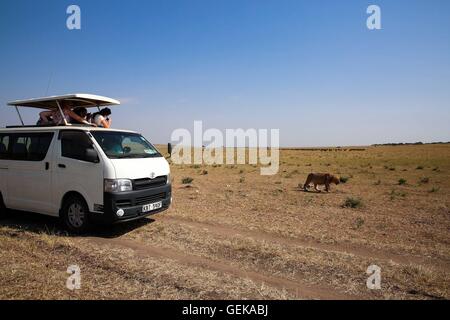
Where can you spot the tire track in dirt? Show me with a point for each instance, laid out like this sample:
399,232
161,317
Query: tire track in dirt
352,249
299,289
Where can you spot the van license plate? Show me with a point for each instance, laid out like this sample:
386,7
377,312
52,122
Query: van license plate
151,206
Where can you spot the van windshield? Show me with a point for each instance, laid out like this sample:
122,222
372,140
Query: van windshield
120,145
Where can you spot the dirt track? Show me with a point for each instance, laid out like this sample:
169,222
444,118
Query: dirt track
295,287
349,249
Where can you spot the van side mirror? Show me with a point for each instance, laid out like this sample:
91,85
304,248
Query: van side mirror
91,155
169,149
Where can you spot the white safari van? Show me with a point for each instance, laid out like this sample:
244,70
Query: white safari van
81,173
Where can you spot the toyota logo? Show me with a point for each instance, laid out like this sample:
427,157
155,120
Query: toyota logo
152,175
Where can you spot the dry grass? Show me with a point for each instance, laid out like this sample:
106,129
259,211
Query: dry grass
236,234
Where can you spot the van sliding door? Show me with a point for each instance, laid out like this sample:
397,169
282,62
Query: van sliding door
29,172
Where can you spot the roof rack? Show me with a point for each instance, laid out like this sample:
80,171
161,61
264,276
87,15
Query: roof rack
54,103
50,126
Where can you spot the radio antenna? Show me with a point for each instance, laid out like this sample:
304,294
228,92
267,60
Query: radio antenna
49,82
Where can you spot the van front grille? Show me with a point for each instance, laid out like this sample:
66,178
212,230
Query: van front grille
150,199
123,203
147,183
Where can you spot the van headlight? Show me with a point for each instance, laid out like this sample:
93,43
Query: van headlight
168,179
118,185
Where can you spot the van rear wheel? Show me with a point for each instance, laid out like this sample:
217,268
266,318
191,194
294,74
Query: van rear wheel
75,215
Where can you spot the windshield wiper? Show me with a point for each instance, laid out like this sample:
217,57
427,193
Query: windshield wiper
133,156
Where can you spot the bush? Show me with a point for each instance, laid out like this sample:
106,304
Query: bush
424,180
343,179
242,179
419,168
204,172
395,194
359,222
352,203
187,180
433,190
277,192
401,181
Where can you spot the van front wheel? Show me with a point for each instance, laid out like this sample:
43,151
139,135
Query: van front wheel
75,214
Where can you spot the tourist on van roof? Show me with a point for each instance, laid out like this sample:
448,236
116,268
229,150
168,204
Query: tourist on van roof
81,112
101,118
57,118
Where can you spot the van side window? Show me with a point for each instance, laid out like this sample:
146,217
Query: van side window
4,145
30,146
75,144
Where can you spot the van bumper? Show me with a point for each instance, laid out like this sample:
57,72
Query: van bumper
131,203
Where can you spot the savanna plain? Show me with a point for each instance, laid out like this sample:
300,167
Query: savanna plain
232,233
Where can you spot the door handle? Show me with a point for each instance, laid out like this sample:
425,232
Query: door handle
47,165
62,165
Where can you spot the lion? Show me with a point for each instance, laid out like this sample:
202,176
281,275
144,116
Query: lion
320,179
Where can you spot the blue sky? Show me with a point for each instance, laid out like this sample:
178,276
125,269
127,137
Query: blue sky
309,68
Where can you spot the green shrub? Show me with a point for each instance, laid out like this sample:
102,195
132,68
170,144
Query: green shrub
187,180
401,181
433,190
351,202
419,168
343,179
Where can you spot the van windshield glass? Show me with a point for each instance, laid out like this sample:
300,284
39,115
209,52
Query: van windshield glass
120,145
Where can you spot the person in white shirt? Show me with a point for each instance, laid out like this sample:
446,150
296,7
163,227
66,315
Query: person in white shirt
101,118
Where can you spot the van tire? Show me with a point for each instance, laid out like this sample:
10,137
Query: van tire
75,214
